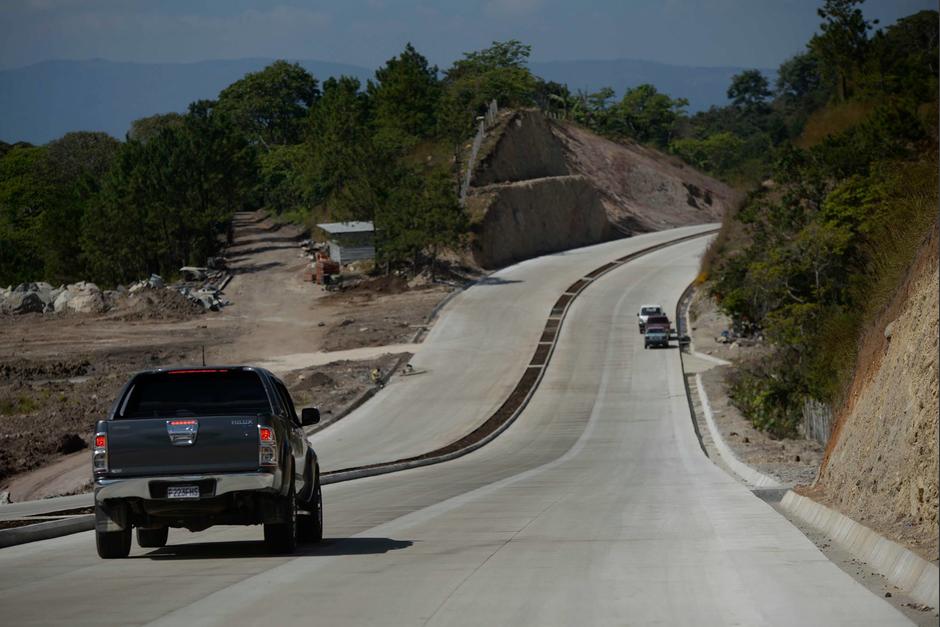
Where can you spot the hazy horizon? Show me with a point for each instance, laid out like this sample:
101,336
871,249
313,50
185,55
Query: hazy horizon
365,33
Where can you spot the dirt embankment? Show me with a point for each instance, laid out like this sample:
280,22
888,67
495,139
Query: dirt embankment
881,467
544,186
643,189
539,216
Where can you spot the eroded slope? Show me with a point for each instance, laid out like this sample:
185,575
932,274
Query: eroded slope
882,464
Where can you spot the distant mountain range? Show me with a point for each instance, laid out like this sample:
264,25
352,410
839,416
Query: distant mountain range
44,101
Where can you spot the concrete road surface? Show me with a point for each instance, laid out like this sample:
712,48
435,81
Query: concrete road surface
474,356
597,507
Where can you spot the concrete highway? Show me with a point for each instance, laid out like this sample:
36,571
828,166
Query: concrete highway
474,356
596,507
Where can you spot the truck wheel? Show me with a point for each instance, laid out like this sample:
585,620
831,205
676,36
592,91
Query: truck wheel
152,538
310,525
113,544
282,537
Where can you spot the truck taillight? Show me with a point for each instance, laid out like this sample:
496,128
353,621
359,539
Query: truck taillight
99,457
267,447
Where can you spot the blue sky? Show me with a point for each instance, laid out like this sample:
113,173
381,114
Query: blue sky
750,33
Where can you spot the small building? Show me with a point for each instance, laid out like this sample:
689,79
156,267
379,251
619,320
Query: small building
350,241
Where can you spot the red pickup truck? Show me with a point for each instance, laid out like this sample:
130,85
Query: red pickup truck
659,320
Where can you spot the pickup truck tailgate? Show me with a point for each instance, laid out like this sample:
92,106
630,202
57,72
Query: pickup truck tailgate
218,444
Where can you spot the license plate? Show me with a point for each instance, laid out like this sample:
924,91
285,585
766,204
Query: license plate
182,492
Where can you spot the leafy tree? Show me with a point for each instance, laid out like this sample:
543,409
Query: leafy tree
76,164
552,96
798,78
749,90
717,153
405,94
496,73
272,104
340,137
419,216
25,192
647,115
903,58
167,202
282,178
843,43
143,129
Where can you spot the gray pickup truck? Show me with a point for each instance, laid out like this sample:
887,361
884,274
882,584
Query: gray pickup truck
196,447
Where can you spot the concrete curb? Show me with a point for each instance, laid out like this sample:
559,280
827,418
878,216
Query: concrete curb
750,475
46,530
901,567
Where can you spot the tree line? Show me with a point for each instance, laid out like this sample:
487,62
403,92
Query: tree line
87,206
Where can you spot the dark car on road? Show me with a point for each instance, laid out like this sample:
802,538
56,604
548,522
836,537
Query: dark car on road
195,447
656,336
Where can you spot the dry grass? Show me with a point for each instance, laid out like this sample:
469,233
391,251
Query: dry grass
832,120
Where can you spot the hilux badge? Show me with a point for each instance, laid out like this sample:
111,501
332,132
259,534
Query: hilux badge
182,432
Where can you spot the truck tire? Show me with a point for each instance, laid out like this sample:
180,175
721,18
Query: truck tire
310,525
113,544
152,538
282,537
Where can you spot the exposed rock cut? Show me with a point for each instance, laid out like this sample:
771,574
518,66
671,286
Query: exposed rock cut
543,186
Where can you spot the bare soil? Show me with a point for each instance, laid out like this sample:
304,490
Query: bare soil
337,385
59,373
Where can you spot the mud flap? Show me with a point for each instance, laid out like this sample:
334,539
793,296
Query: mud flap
111,517
273,510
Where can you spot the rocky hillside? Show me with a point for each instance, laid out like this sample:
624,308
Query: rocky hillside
543,185
881,467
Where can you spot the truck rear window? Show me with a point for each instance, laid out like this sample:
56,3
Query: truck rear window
196,393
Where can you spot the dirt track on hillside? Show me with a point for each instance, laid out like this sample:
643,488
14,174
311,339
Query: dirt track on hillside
60,373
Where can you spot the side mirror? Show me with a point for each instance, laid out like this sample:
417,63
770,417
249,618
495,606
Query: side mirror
309,416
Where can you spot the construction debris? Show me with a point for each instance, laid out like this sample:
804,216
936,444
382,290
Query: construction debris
200,285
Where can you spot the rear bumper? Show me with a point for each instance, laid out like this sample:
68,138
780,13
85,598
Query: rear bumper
140,487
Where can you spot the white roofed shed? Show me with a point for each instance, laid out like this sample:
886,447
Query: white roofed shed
350,241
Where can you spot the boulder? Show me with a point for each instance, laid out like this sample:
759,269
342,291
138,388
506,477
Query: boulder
24,302
81,297
87,301
61,301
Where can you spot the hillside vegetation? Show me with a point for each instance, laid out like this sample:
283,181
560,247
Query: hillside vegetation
823,239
